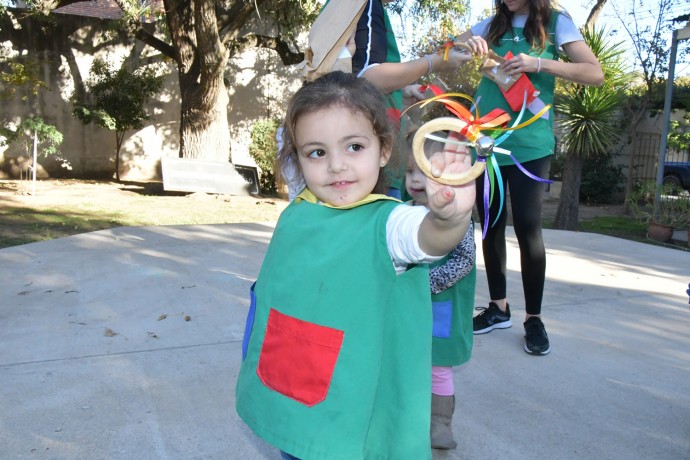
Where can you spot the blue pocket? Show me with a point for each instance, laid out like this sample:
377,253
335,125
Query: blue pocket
443,318
250,321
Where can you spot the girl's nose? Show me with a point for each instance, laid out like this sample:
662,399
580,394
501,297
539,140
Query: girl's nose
336,163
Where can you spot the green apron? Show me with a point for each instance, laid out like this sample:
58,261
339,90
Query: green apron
536,140
452,331
395,173
337,351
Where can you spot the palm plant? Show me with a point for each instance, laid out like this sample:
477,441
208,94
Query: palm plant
590,121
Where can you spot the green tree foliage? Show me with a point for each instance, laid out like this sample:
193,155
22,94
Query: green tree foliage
263,150
119,96
200,36
651,47
434,22
590,121
602,181
20,80
21,76
48,137
673,209
590,124
679,134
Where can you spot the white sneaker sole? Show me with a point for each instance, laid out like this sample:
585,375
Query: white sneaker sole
503,325
536,353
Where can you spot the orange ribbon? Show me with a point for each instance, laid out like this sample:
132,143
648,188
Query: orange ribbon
450,44
497,119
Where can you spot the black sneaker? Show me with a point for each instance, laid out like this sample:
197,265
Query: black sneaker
536,340
491,318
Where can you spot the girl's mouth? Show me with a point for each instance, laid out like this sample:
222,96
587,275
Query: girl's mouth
341,185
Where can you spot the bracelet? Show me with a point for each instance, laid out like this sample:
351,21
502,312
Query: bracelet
429,64
538,64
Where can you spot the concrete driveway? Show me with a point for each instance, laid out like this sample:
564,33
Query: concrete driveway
125,344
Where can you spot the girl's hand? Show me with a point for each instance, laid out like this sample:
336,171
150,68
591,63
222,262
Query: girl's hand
478,45
522,63
450,203
457,57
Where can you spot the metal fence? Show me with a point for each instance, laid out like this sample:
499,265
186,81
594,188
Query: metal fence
646,155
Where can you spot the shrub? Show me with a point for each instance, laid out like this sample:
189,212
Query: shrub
673,207
263,150
601,181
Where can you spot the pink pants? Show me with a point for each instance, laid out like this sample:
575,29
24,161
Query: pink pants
442,381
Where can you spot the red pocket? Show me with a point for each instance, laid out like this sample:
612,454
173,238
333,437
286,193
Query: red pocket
298,358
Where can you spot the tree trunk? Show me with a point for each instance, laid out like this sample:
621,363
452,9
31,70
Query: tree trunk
201,59
205,134
569,205
119,138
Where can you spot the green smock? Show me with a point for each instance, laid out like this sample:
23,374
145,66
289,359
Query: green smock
452,330
337,358
536,140
394,103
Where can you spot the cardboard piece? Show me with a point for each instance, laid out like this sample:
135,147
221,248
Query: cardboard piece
328,38
491,69
513,87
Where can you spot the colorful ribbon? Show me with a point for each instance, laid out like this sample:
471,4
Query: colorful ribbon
450,44
495,121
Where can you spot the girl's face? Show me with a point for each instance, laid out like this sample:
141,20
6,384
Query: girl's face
415,182
517,6
339,154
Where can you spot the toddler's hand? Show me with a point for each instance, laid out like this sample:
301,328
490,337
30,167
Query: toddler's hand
445,201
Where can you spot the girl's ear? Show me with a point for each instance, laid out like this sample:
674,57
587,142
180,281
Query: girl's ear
385,156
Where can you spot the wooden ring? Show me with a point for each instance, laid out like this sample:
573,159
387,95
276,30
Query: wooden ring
442,124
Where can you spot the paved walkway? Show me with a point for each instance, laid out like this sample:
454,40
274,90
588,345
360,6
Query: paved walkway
125,344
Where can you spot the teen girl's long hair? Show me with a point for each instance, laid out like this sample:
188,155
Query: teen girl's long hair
337,89
536,25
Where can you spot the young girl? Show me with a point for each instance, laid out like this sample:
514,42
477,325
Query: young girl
452,281
336,353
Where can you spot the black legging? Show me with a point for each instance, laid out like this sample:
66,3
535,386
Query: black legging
526,197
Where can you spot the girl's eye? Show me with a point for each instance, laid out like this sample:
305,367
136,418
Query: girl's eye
316,153
354,147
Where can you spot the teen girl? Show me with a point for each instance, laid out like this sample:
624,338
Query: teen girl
535,32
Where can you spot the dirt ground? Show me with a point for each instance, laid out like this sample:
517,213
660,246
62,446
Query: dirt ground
61,206
132,196
66,207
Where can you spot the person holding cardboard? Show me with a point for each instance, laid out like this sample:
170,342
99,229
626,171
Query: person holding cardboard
356,36
377,59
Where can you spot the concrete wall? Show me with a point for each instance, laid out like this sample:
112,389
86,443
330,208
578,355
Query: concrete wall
258,86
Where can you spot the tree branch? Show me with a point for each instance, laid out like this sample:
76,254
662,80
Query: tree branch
594,14
155,43
287,56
